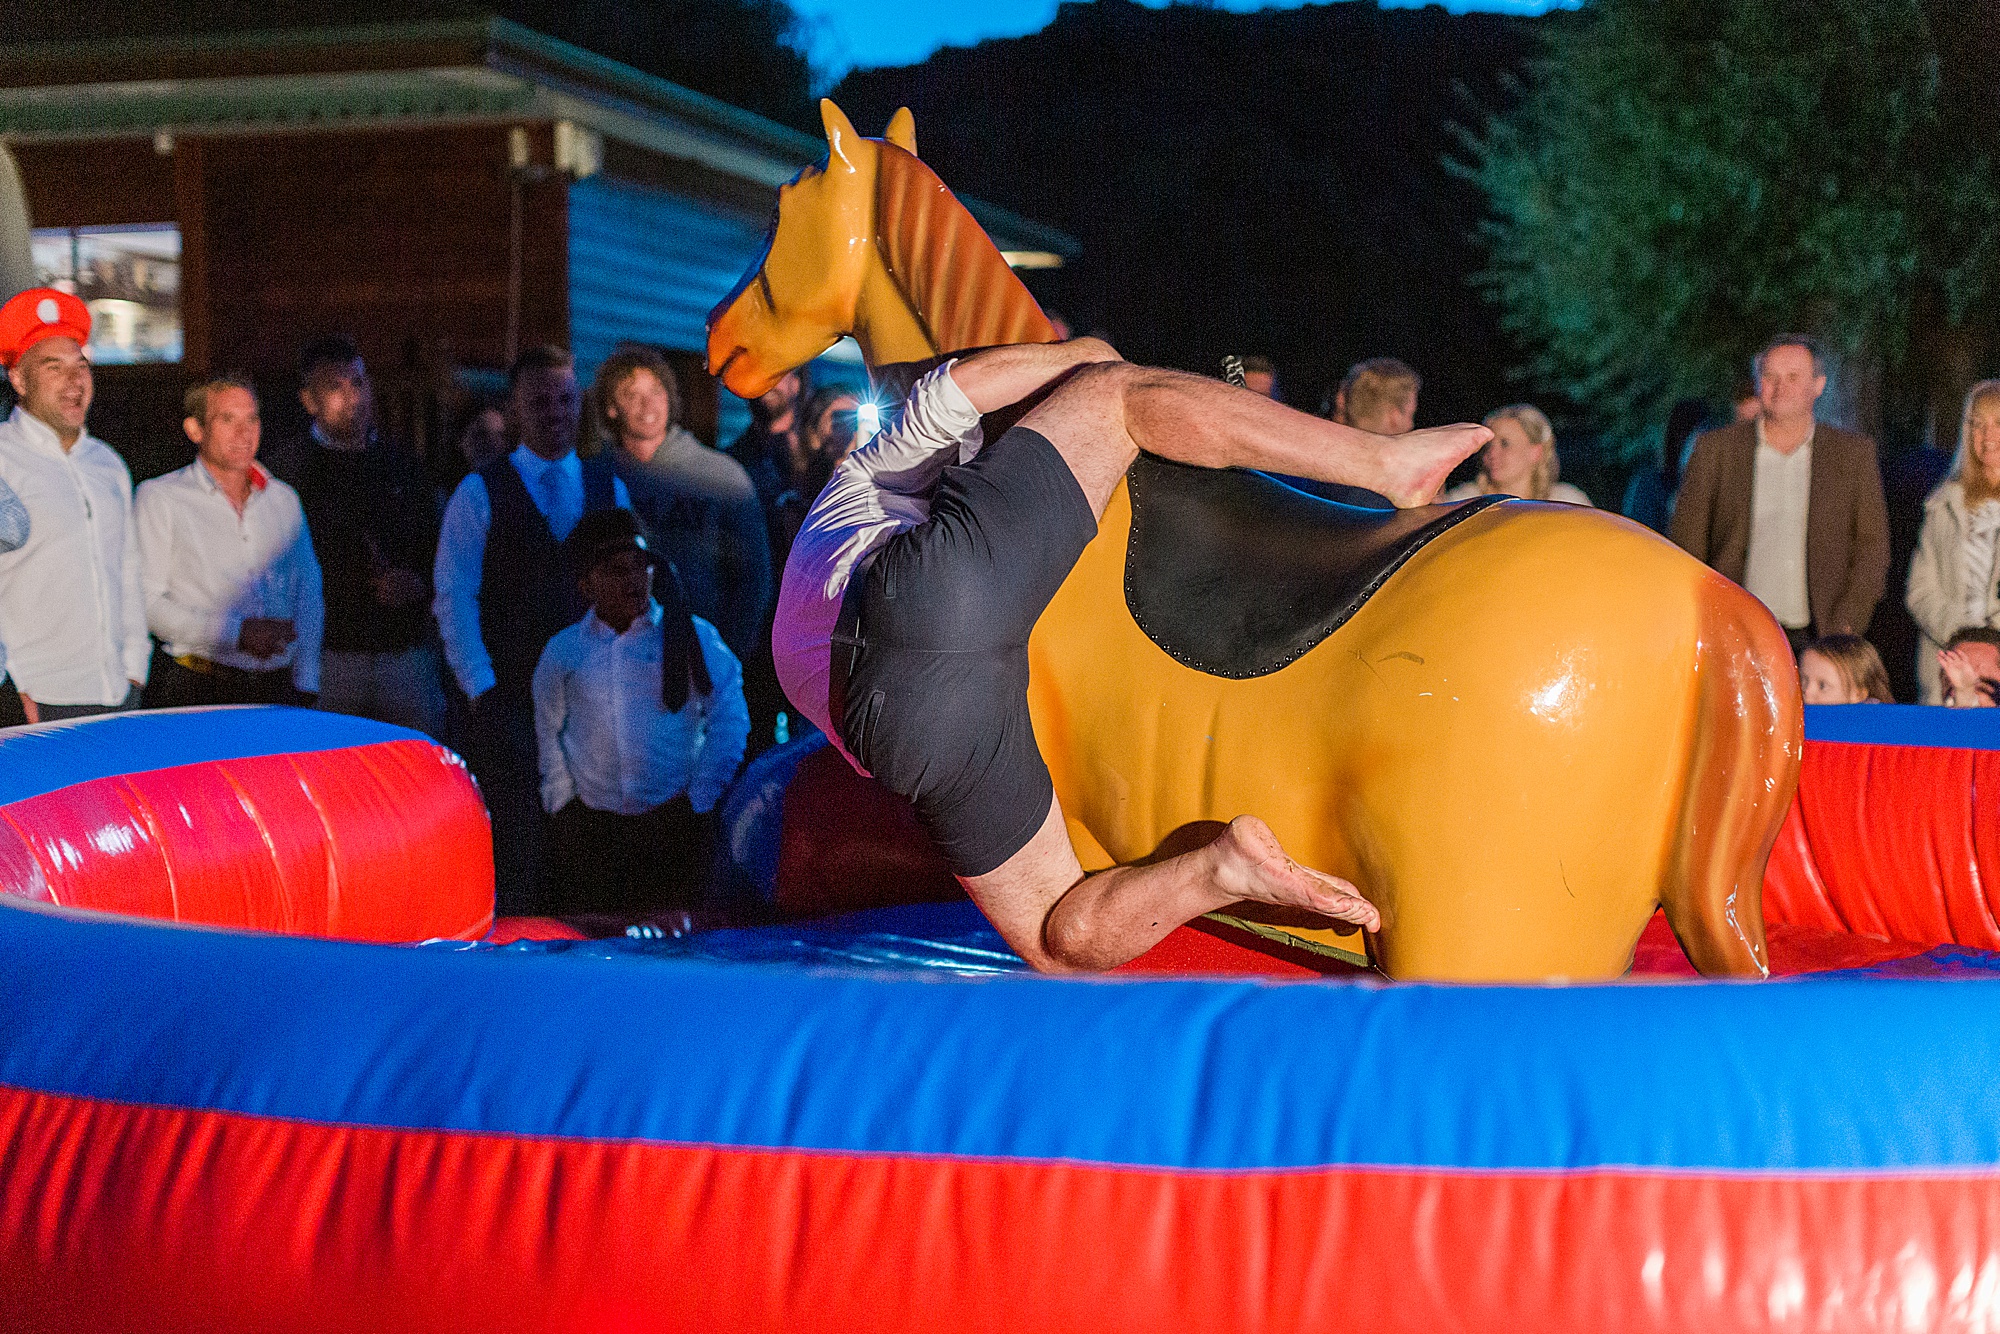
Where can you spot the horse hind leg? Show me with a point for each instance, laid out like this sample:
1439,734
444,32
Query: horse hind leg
1742,770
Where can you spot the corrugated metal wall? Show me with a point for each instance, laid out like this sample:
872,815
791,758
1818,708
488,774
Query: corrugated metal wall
647,266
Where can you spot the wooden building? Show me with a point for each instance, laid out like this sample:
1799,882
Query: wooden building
444,193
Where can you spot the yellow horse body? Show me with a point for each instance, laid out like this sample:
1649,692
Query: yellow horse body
1545,723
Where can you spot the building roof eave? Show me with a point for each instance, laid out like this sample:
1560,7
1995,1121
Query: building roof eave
456,72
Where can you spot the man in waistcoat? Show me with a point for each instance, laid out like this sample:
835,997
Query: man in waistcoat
503,591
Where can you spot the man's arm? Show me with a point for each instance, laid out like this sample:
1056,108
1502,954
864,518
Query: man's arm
1868,563
460,565
15,524
1695,502
1000,377
551,694
941,415
308,612
746,572
137,649
154,551
728,730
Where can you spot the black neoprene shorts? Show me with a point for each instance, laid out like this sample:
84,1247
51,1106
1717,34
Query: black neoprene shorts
930,661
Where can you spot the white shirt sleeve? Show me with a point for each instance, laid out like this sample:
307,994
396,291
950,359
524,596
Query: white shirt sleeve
138,643
309,612
551,692
908,455
728,729
460,564
14,528
155,552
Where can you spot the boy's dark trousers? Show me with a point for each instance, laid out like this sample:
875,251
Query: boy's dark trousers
174,684
603,862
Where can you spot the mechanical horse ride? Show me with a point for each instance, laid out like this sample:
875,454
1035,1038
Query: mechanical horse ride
1518,727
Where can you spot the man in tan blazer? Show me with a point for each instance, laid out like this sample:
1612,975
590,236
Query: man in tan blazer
1788,507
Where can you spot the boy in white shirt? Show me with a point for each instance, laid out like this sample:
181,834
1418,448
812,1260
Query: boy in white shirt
640,723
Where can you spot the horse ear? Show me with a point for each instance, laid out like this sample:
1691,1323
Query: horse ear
839,133
902,131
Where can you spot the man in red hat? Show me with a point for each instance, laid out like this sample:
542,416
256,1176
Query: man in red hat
72,615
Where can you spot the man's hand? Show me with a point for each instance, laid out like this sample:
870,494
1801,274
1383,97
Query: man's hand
32,709
1957,667
1964,687
265,636
397,587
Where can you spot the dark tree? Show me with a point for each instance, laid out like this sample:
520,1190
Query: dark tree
1268,182
1684,178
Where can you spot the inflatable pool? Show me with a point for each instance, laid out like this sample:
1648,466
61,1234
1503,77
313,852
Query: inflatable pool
880,1123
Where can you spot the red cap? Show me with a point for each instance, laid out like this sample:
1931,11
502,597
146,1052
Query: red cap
38,313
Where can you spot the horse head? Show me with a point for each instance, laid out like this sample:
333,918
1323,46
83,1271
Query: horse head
871,244
801,296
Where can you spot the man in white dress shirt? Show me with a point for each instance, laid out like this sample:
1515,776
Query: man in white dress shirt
503,590
72,615
232,587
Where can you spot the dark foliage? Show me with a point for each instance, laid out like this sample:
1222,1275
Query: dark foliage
1268,182
1683,178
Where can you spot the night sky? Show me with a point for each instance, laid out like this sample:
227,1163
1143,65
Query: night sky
847,34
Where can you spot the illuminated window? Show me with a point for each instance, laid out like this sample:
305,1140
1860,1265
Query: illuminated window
130,277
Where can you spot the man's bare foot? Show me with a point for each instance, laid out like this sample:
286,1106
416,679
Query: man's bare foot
1414,466
1251,864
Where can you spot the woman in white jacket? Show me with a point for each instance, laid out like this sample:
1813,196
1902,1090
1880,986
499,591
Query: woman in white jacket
1954,576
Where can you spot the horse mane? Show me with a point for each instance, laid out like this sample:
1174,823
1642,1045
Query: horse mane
961,291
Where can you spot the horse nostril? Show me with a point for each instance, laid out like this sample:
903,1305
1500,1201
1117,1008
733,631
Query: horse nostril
730,360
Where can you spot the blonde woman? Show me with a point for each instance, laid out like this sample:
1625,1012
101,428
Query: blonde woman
1953,575
1520,460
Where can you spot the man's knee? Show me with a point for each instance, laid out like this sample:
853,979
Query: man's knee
1095,394
1103,380
1093,351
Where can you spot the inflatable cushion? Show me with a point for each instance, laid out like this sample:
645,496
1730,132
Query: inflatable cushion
1895,833
285,820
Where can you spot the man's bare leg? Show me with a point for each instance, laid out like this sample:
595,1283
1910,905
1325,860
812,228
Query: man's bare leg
1061,920
1104,413
1098,415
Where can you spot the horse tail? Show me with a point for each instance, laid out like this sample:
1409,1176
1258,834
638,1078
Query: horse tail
1742,770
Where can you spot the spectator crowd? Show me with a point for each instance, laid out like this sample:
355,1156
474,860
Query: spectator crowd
586,617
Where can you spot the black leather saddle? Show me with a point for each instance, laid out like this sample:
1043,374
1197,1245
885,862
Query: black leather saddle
1236,574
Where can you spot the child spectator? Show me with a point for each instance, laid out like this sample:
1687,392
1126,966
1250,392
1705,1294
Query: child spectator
1970,664
640,723
1843,669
